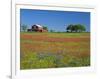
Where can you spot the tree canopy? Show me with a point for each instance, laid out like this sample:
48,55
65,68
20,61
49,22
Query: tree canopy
45,27
24,27
75,28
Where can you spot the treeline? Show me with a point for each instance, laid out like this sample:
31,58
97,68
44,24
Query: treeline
69,28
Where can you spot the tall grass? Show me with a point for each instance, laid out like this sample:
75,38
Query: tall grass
48,60
43,53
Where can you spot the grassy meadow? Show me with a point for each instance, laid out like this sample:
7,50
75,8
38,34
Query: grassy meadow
54,50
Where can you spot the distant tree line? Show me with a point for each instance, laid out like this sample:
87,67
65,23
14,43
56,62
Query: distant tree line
69,28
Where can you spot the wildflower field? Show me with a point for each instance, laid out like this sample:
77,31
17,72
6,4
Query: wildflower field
54,50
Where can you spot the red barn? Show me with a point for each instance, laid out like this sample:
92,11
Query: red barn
37,28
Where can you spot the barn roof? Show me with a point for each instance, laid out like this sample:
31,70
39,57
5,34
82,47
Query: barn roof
38,25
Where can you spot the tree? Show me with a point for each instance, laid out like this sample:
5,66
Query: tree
76,28
82,28
70,28
24,27
45,28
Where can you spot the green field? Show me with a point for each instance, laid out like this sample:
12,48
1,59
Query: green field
54,50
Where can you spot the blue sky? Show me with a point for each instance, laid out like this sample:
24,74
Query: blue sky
55,20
